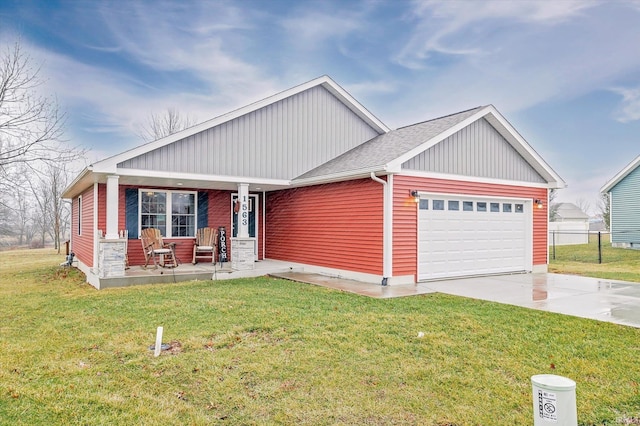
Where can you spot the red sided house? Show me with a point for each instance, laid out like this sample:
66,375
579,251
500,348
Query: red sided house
324,185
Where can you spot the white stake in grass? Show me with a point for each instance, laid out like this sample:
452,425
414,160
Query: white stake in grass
158,347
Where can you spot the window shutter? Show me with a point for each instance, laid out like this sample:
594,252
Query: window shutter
131,211
203,209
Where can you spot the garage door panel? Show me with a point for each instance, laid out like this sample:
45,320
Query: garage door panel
459,243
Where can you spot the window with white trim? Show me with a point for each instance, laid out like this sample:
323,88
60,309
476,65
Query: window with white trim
172,212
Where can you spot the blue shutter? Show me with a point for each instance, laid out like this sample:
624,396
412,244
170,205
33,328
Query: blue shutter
131,211
203,209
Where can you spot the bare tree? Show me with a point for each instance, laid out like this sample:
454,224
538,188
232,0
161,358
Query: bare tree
52,211
31,131
160,125
553,206
604,208
583,205
31,125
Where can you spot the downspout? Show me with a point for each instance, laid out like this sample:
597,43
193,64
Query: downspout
387,228
96,235
264,224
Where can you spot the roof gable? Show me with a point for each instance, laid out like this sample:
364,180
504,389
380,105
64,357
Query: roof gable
477,150
570,211
621,175
375,154
281,140
388,152
109,165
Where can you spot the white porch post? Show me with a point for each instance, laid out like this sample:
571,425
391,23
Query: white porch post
112,208
243,213
242,247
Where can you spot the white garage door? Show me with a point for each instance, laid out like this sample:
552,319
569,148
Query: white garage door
463,236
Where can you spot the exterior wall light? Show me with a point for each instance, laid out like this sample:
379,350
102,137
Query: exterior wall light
416,196
538,203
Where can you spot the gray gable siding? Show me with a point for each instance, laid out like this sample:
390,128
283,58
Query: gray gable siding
625,209
477,150
387,147
279,141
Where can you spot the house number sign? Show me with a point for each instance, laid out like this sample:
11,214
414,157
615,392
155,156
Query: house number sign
245,211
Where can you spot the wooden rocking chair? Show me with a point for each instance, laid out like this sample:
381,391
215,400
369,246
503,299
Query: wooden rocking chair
154,248
205,246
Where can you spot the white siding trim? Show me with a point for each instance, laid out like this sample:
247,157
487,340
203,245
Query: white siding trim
96,236
474,179
505,129
621,175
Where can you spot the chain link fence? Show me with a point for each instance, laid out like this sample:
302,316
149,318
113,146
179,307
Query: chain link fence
590,247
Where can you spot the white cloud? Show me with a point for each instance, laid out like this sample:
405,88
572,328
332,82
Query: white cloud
203,40
629,110
311,28
514,54
451,27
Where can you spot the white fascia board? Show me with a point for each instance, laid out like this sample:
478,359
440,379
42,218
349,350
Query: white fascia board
621,175
325,81
201,177
397,163
516,140
75,187
336,177
474,179
355,106
506,130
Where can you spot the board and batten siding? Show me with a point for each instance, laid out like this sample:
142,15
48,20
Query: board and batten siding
280,141
625,210
405,215
476,150
337,225
82,245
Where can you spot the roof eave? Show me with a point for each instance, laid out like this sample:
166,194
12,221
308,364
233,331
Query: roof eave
79,184
491,114
341,176
621,175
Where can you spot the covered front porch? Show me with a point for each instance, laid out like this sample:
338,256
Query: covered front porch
137,275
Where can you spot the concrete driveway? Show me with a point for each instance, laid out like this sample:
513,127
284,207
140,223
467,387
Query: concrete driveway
594,298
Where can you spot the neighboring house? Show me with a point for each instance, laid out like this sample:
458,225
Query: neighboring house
624,203
571,226
322,182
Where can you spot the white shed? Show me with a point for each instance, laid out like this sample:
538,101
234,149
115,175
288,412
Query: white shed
571,226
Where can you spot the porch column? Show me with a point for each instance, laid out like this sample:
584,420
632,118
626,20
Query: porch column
243,213
112,208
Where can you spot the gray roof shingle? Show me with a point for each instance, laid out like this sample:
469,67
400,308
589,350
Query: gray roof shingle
381,150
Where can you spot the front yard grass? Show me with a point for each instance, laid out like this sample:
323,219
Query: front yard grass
268,351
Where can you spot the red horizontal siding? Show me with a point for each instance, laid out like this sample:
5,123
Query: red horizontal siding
335,225
219,214
405,216
83,244
102,213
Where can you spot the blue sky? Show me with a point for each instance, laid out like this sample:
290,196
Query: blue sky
566,73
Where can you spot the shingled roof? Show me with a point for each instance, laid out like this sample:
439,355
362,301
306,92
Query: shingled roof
379,151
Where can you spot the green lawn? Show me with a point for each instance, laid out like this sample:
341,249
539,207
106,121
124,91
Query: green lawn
582,259
268,351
